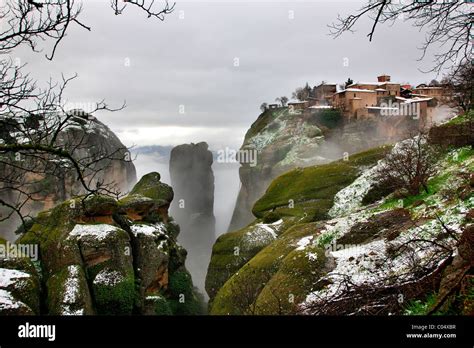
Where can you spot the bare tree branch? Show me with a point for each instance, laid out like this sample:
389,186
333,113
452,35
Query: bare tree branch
448,26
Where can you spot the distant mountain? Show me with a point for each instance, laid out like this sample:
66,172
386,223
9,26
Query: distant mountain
161,152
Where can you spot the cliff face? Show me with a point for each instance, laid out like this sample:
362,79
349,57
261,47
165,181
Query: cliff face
52,189
193,181
299,196
103,256
283,140
328,239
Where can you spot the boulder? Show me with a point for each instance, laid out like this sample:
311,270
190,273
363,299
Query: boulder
19,287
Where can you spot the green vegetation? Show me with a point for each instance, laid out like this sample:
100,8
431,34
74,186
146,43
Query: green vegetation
325,239
180,283
330,118
57,287
466,117
271,217
49,229
117,298
280,275
461,155
184,299
262,121
460,303
99,205
162,306
23,228
420,307
293,281
229,254
26,290
435,185
151,187
309,192
259,269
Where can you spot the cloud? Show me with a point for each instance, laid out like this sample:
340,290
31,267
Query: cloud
219,137
160,68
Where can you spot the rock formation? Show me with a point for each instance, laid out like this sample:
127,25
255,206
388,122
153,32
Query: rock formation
299,196
328,239
103,256
53,189
283,140
193,182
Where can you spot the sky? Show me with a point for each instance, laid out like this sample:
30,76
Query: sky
202,74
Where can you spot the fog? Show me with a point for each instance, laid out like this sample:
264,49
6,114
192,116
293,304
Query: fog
226,183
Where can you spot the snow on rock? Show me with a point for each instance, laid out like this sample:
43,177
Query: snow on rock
10,276
163,246
99,231
71,292
148,230
338,227
108,277
269,134
350,198
155,298
382,262
7,301
304,242
361,263
262,234
371,263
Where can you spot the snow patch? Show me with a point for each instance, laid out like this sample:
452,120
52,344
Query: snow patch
71,292
108,277
304,242
261,234
10,276
148,230
99,231
350,198
338,227
7,301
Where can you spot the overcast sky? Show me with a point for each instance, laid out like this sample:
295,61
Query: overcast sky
189,63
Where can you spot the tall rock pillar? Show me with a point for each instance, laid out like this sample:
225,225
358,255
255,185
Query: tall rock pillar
192,180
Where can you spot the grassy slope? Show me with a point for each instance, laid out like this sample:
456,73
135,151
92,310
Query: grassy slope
312,189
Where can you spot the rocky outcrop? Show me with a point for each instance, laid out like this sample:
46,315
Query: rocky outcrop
302,195
19,287
320,246
283,140
103,256
193,208
94,138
